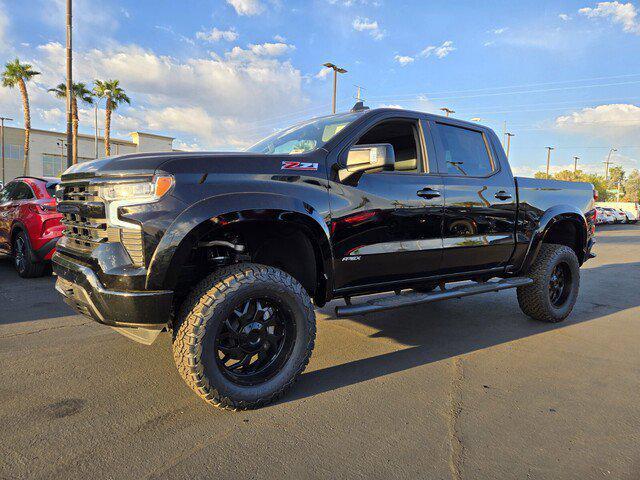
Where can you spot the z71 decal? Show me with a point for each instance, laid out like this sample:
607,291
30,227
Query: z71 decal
289,165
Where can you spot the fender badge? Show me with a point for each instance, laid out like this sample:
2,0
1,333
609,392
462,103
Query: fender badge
290,165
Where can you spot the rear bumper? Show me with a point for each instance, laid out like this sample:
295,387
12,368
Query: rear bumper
83,291
45,252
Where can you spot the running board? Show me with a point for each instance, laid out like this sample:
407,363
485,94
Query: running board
415,298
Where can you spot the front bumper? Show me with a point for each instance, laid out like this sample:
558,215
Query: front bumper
83,291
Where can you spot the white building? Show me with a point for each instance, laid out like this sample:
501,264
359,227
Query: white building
47,152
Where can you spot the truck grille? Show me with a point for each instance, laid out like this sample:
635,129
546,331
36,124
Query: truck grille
84,232
88,229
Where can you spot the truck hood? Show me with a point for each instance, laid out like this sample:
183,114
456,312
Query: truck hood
190,162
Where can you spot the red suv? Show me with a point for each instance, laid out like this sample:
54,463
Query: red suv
29,223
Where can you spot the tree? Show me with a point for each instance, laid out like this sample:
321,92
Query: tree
81,92
632,187
18,74
110,89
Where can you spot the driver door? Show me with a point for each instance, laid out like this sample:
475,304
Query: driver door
386,226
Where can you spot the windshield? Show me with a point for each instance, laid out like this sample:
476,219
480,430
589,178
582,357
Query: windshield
304,137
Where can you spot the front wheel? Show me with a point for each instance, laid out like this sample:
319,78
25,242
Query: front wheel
244,335
556,281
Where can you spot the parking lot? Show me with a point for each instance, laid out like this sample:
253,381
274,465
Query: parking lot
461,389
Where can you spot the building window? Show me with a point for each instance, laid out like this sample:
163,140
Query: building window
52,165
13,152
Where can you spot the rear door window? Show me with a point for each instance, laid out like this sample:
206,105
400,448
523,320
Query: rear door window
464,152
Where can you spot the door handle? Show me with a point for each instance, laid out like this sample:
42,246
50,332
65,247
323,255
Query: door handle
428,193
502,195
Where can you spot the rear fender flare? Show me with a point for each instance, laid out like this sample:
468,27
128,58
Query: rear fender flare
185,230
549,218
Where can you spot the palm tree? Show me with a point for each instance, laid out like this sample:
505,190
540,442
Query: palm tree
110,89
16,73
81,92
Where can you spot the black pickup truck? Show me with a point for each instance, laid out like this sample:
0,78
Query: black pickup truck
227,250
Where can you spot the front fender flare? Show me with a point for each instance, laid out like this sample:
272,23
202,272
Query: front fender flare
549,218
183,232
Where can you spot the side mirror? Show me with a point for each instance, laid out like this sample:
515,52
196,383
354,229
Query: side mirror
362,158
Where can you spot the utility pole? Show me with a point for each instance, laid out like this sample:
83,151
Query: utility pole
2,119
607,163
95,124
548,158
575,165
69,87
509,135
447,111
336,71
358,93
504,134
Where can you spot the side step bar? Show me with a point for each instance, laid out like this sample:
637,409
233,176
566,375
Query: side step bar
415,298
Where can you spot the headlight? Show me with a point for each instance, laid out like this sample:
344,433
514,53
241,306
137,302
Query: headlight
143,192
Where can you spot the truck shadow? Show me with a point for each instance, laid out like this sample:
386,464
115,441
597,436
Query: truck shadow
447,329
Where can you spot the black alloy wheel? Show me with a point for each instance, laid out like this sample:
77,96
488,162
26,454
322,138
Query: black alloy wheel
20,254
559,284
255,341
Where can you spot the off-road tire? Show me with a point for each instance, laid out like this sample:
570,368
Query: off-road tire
29,266
534,299
209,304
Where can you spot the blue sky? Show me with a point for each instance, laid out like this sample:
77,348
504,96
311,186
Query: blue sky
222,74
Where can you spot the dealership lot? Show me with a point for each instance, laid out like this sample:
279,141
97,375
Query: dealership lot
461,389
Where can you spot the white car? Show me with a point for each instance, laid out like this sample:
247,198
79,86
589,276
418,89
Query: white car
619,216
604,216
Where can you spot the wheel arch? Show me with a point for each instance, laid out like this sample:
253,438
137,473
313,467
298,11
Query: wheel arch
235,210
561,224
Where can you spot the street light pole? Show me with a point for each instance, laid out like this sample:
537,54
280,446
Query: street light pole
447,111
509,135
69,87
606,172
2,119
548,159
336,71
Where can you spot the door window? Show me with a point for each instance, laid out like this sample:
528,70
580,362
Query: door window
402,135
465,152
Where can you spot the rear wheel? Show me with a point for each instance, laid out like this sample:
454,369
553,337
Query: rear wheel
24,258
556,281
244,335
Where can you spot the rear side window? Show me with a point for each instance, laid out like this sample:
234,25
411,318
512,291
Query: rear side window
22,191
465,151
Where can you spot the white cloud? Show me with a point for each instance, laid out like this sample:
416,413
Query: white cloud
603,117
564,17
323,73
391,105
167,93
215,35
361,24
279,39
624,14
247,7
499,31
404,59
261,50
52,115
614,123
125,13
439,51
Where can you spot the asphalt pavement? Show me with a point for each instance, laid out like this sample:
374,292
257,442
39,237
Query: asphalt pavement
464,389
